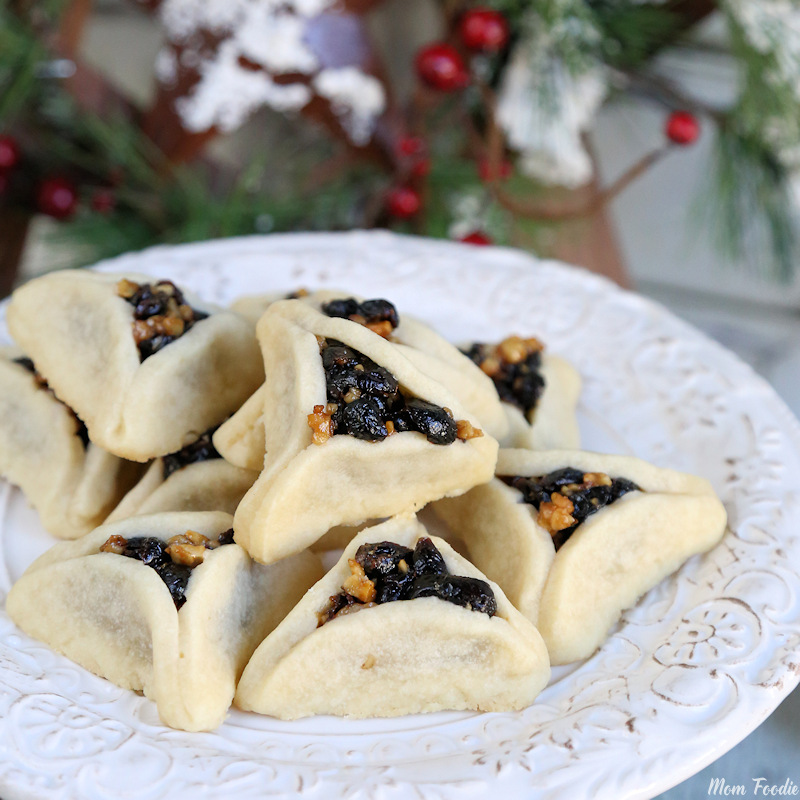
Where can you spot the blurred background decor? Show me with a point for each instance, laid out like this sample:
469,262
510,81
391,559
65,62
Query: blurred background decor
442,118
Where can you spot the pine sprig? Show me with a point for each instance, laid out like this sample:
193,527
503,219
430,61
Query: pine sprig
748,207
633,33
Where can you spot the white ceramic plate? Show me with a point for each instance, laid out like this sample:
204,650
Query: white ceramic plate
700,662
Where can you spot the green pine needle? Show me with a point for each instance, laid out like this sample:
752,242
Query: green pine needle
750,209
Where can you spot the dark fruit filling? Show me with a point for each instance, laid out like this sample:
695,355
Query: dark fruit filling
378,315
160,313
201,450
173,560
80,429
365,401
514,367
566,497
385,571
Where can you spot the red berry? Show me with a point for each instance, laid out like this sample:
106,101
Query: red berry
103,201
403,202
682,128
502,171
421,168
477,238
441,67
411,146
57,197
484,29
9,152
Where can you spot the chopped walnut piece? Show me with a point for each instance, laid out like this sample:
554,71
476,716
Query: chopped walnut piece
321,423
190,537
466,430
491,366
515,349
596,479
383,328
114,544
126,288
358,585
352,394
351,609
557,514
189,555
144,329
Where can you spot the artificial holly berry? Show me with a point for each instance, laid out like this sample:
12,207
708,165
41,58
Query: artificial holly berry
103,201
9,153
477,238
484,29
403,202
411,146
57,197
682,128
502,171
441,67
421,168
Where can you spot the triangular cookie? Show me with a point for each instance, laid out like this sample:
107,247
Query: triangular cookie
195,478
307,487
241,438
181,634
400,657
45,450
618,527
146,366
539,392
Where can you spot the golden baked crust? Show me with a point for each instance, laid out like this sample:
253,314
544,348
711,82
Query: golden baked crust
576,595
241,439
72,486
212,485
115,616
78,331
552,424
401,657
306,489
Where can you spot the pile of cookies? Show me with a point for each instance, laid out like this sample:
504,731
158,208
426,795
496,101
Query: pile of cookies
202,458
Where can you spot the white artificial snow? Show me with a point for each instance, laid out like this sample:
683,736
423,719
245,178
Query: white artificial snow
544,113
358,99
276,42
270,34
772,26
166,67
227,94
469,215
182,18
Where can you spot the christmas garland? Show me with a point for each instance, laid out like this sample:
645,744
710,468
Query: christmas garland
503,104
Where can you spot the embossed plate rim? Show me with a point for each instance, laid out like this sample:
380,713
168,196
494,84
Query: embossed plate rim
601,731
